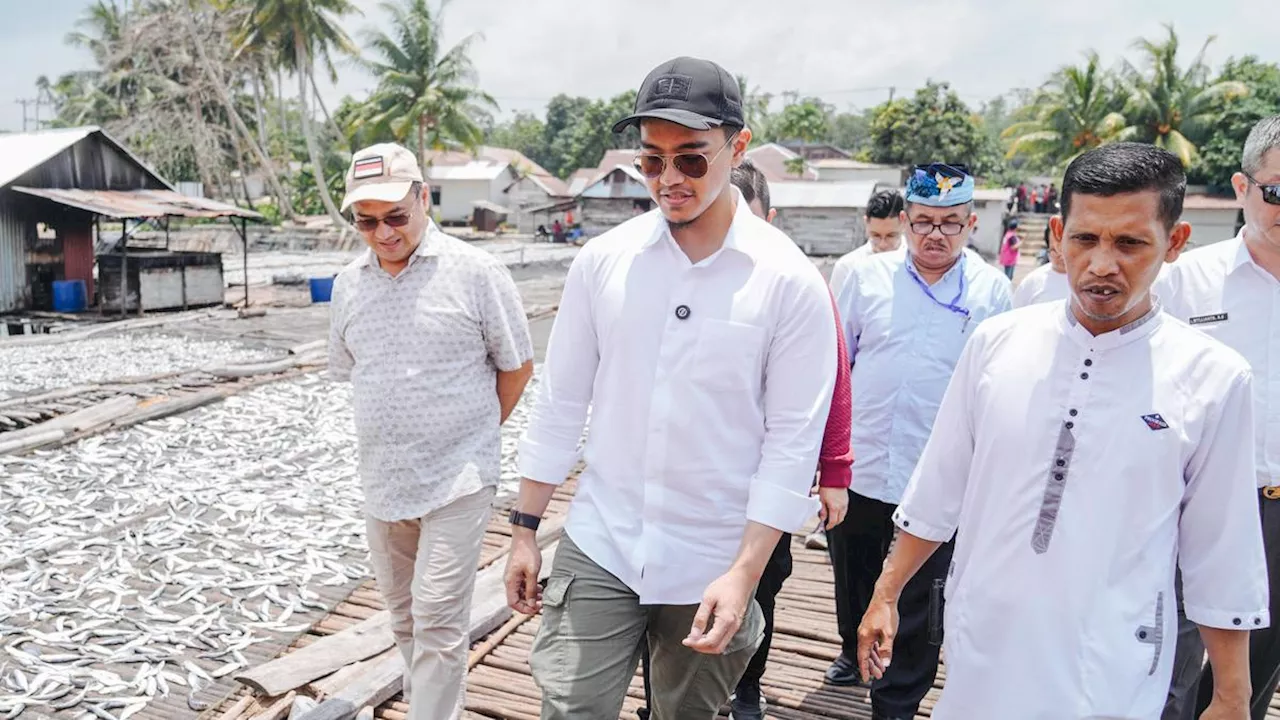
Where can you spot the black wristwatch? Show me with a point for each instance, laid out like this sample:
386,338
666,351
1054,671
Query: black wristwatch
525,520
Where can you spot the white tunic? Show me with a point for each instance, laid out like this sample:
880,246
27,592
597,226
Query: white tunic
1077,468
904,348
709,386
844,266
1220,290
1044,284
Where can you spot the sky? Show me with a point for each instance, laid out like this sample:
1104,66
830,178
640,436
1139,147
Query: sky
849,52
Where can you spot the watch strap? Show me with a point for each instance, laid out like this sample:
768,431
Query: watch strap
525,520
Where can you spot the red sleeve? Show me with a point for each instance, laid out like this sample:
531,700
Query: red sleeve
836,455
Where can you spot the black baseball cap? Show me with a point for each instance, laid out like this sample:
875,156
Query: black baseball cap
697,94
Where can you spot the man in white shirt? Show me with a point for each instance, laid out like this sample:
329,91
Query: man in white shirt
432,335
1231,291
703,342
1046,283
906,318
1084,449
884,234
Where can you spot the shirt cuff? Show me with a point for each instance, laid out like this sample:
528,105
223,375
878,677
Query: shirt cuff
780,508
545,464
835,472
339,374
915,525
1228,620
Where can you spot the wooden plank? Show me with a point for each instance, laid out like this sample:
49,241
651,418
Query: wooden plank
377,684
321,658
277,709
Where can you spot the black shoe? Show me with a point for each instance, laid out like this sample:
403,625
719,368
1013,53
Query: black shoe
747,703
844,672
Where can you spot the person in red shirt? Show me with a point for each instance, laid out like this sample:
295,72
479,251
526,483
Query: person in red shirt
834,473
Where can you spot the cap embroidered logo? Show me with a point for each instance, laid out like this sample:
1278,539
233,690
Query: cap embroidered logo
1155,422
675,87
367,167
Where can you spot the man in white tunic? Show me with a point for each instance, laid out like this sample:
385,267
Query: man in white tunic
907,317
432,335
884,223
1085,448
1231,291
1046,283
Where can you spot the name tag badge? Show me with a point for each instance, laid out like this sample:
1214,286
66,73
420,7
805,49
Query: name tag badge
1203,319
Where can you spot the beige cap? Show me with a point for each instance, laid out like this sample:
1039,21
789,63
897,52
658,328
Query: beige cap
382,172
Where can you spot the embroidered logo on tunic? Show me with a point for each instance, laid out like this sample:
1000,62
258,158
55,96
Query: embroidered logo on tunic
1202,319
1155,422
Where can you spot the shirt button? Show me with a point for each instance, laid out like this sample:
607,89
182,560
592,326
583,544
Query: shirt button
1088,362
1058,477
1070,424
682,312
1084,376
1061,462
1073,412
1235,621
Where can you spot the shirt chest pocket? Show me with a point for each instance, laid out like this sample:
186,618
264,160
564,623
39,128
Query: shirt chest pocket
728,355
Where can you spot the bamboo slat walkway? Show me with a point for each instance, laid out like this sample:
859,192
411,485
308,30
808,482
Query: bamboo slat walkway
499,685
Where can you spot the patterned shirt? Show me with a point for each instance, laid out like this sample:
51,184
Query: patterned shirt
422,350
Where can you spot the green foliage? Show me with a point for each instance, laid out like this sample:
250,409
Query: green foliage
851,131
576,133
426,91
807,121
933,126
1232,120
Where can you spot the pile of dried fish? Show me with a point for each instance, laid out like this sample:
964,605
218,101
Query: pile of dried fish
147,562
31,368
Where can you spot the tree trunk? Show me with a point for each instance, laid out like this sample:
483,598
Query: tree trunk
308,134
422,143
333,126
259,113
286,207
286,147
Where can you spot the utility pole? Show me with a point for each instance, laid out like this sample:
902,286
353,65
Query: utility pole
892,89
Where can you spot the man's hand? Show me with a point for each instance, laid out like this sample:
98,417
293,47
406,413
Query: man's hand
835,505
524,594
875,637
726,600
1221,709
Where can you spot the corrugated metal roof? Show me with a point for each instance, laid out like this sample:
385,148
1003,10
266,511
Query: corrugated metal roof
474,170
139,203
20,152
806,194
844,164
989,194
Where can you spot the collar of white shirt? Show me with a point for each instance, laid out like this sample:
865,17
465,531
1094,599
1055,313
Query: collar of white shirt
1140,328
426,248
662,229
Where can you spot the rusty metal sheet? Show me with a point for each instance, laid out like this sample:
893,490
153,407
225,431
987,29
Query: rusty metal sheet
122,204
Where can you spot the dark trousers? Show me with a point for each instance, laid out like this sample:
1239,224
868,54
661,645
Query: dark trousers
858,548
775,573
1264,645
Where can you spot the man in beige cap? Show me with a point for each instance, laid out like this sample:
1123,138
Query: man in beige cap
432,335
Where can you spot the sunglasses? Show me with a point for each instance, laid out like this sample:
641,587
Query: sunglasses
690,165
1270,193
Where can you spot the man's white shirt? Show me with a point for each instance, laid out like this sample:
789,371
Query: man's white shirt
1044,284
1078,470
840,271
1220,290
708,386
904,347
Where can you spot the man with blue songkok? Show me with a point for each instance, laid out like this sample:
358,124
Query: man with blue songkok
906,317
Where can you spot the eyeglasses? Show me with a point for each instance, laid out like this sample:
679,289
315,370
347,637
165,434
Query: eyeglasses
949,229
1270,193
371,224
690,165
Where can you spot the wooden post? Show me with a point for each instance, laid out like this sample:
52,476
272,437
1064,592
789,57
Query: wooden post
124,271
244,240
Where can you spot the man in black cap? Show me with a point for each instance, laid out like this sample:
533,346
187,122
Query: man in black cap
704,343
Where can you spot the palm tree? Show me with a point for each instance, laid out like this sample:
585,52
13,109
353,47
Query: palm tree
1075,111
300,33
1171,107
422,85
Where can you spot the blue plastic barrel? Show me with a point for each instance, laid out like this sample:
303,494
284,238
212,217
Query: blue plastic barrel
69,296
321,289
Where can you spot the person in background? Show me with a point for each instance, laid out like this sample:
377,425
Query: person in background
1009,246
833,474
1231,291
431,334
1134,457
703,343
1047,283
883,222
906,317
